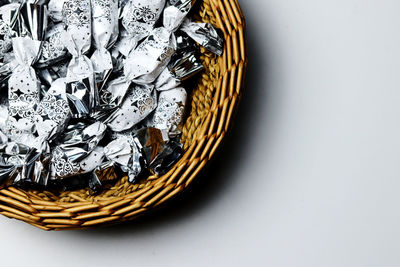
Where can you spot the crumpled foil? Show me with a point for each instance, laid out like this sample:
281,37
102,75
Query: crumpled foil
138,20
206,35
105,34
77,18
168,116
24,85
78,151
138,104
53,48
125,154
158,156
183,65
53,111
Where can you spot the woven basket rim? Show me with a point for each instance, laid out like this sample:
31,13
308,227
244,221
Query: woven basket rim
214,103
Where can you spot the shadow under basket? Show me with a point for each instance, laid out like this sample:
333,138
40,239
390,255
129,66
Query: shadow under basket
213,102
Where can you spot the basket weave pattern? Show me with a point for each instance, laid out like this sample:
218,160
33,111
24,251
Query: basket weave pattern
213,102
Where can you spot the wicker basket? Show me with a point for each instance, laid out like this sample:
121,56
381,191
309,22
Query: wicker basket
214,101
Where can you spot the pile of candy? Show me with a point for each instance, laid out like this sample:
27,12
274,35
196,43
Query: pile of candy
91,89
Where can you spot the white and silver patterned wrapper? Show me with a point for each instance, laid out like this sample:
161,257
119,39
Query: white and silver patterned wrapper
53,48
56,10
5,28
78,152
140,101
148,60
168,116
206,35
124,152
24,85
77,18
175,13
53,111
113,95
182,66
138,20
23,165
105,34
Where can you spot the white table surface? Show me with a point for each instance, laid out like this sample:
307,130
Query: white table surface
310,174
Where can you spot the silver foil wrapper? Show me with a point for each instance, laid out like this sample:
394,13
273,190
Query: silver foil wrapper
53,48
77,18
105,34
125,154
169,113
23,165
56,10
113,95
6,20
140,101
53,111
206,35
148,60
182,66
175,13
78,152
24,85
138,19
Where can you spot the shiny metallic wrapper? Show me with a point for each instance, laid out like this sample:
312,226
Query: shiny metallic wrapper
182,66
78,151
56,10
138,104
53,49
53,111
24,85
175,13
6,20
138,19
105,34
23,165
126,155
206,35
168,115
113,95
148,60
77,18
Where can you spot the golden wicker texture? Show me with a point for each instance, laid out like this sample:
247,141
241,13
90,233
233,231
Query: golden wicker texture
214,101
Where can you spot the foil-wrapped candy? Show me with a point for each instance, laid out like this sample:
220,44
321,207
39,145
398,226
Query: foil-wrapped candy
77,18
126,155
53,48
24,165
206,35
78,151
175,13
158,155
113,95
56,10
105,34
138,19
182,67
148,60
24,85
6,21
53,111
169,113
140,101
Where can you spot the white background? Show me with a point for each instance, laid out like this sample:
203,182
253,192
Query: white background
310,174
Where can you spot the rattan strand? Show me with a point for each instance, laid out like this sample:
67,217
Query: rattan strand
213,103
